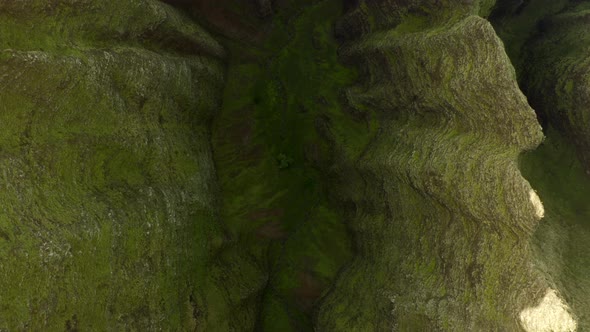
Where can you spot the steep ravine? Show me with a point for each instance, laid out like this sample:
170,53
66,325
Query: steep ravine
269,153
294,165
441,217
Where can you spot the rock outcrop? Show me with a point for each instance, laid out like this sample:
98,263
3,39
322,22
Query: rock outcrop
441,214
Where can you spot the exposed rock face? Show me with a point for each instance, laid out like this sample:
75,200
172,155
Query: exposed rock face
441,214
108,187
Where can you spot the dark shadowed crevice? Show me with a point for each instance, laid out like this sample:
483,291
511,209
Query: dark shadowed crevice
272,142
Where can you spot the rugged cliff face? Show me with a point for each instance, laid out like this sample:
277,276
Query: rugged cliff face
293,165
108,192
441,213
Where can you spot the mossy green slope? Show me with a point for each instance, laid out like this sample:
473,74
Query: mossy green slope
108,215
442,216
286,242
